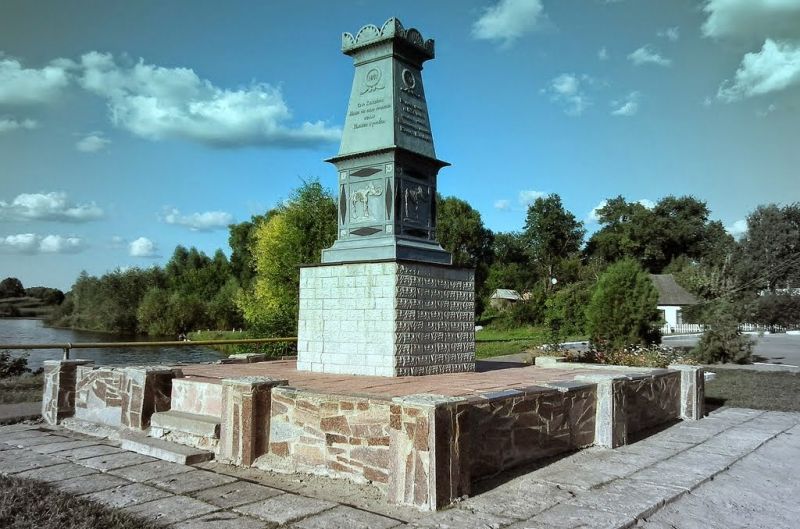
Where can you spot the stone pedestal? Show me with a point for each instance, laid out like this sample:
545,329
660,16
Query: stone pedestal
244,432
693,391
58,400
393,318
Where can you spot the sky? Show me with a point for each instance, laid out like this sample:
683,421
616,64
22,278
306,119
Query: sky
127,128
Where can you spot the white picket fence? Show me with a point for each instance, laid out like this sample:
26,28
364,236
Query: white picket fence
696,328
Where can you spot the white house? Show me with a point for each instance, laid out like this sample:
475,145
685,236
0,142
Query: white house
672,298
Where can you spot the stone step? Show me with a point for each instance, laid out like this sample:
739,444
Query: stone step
197,395
190,423
165,450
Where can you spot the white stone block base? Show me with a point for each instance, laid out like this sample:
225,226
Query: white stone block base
395,318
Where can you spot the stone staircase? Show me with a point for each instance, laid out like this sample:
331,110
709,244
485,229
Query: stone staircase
187,433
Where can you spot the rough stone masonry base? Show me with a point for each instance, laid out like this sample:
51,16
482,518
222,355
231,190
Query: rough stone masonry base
392,318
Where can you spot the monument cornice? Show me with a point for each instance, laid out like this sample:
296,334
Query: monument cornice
392,29
394,148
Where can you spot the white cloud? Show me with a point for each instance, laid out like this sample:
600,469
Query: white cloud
738,228
567,90
206,221
528,197
143,247
775,68
767,111
752,19
628,106
671,34
31,243
92,142
157,103
509,20
9,124
502,204
649,204
647,55
602,54
54,206
27,86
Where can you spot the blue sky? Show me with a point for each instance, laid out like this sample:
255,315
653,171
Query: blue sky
129,127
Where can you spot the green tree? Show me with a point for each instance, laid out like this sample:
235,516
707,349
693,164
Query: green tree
551,235
295,234
770,250
241,241
511,265
11,287
622,310
722,341
565,311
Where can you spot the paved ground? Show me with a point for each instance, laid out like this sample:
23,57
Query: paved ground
752,457
771,348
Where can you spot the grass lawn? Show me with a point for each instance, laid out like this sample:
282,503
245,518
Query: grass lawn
491,342
28,504
26,388
741,388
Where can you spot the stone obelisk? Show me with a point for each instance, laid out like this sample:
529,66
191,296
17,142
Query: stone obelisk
386,300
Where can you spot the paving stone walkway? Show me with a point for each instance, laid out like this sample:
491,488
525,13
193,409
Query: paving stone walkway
642,483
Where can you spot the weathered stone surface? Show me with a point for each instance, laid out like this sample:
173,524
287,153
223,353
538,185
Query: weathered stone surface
90,483
60,446
692,392
343,517
236,494
196,396
20,460
285,508
59,388
58,472
246,405
162,449
520,500
170,510
461,519
87,452
221,520
570,516
191,481
387,319
634,499
152,470
35,441
112,461
127,495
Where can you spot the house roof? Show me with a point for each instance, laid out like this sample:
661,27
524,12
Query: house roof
670,292
505,293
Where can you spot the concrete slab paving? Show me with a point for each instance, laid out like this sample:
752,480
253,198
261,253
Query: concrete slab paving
38,440
221,520
127,495
235,494
285,508
112,461
57,472
630,498
152,470
88,452
520,499
13,435
171,510
191,481
343,517
20,460
570,516
461,519
90,483
60,446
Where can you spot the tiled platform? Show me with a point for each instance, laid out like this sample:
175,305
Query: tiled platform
489,377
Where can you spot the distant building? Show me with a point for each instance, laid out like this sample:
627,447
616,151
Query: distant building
672,298
502,298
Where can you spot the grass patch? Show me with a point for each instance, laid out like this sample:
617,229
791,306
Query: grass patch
28,504
491,342
272,350
743,388
24,388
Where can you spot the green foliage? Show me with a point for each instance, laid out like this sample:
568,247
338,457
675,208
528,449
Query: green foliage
622,310
12,367
295,234
776,310
551,235
770,248
11,287
653,355
565,311
722,341
49,296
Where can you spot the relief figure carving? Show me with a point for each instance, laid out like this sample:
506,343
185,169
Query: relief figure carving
361,197
413,197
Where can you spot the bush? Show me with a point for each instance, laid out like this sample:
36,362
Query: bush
12,367
622,310
776,310
635,356
722,341
565,312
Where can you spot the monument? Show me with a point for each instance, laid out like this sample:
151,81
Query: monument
386,300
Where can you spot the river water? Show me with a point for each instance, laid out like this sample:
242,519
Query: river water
22,331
